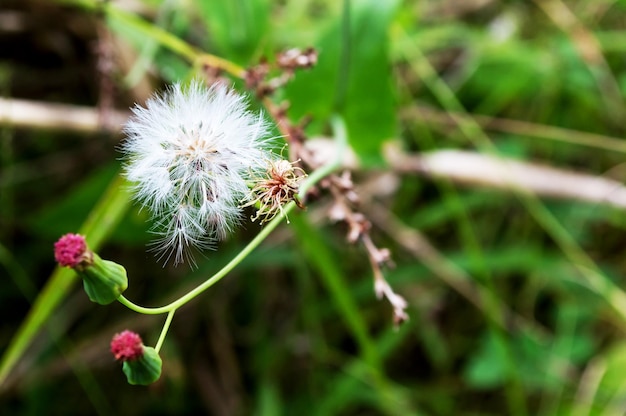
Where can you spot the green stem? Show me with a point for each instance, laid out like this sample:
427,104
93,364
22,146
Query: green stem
166,327
216,277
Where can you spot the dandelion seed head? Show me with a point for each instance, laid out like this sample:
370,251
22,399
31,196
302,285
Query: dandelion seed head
190,153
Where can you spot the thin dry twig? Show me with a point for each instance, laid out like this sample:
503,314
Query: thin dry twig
477,169
63,117
470,168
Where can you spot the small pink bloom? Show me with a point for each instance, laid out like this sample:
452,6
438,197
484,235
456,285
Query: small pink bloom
127,346
70,250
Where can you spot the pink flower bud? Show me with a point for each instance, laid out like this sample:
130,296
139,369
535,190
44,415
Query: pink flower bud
127,346
141,365
103,280
70,250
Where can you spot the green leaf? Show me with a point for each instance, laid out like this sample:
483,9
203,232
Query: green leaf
353,77
236,27
487,368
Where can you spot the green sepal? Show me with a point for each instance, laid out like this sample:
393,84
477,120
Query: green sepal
145,370
103,280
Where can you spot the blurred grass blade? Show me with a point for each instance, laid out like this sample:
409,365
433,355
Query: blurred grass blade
592,276
101,221
237,27
322,259
119,18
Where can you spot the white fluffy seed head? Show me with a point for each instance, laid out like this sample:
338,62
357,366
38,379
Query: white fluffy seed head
190,153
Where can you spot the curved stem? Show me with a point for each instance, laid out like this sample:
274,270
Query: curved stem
217,276
341,139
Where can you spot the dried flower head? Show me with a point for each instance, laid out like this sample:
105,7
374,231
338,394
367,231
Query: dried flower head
190,153
296,58
127,346
278,186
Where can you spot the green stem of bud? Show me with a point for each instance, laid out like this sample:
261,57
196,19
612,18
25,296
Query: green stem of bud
166,327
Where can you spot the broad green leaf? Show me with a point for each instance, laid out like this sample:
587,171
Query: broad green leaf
237,28
353,77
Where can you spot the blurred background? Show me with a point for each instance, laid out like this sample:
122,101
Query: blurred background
514,277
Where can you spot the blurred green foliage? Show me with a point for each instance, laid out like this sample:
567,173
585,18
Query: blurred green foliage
503,320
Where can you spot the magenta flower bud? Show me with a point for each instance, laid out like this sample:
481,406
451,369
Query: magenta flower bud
103,280
142,365
71,250
127,346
